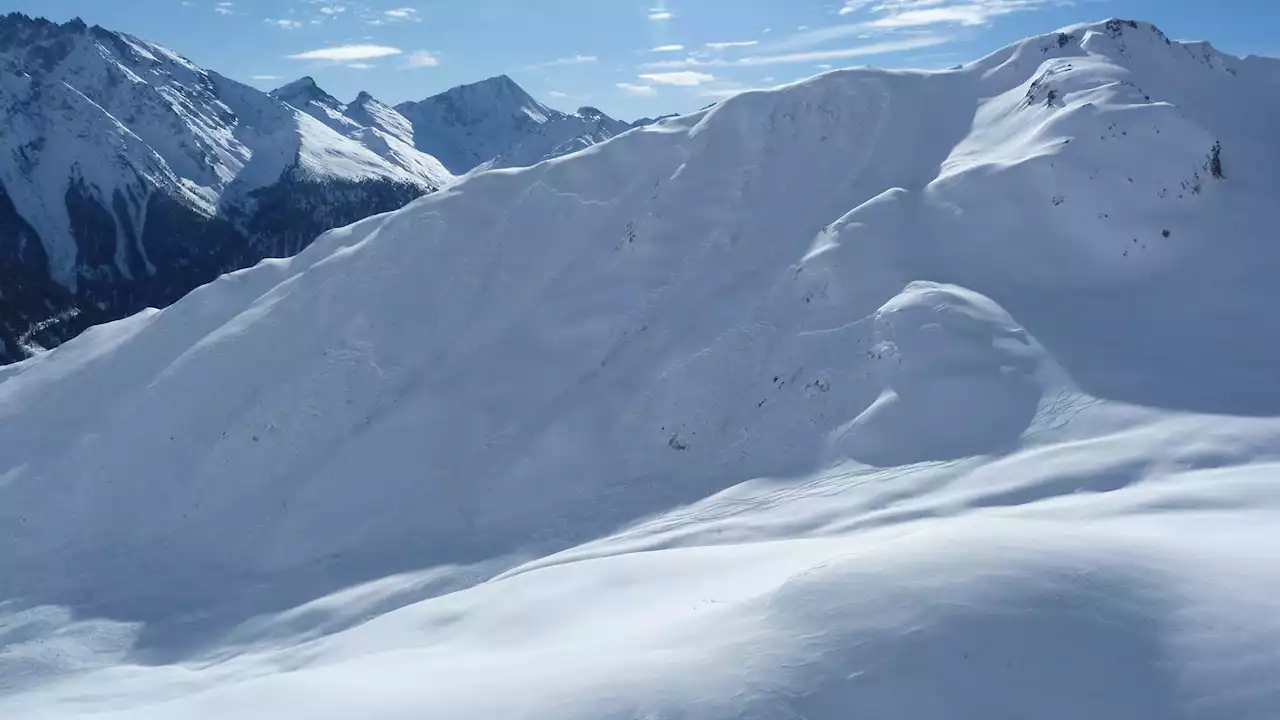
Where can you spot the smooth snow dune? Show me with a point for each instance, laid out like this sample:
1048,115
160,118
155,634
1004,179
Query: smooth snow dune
878,394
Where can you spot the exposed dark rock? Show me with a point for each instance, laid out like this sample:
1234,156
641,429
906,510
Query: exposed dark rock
118,274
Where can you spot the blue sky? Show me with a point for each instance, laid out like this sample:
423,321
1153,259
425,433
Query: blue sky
628,57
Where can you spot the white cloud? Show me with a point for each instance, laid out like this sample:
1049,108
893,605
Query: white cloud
360,66
637,90
559,62
224,8
811,38
401,13
853,6
963,15
558,95
333,10
265,78
814,56
740,43
660,14
686,78
421,59
344,53
286,24
894,14
668,48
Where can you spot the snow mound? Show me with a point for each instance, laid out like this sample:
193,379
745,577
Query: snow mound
816,402
959,375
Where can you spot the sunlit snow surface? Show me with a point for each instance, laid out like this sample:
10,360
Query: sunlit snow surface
880,395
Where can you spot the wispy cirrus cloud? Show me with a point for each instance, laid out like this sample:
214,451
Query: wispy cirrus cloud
895,14
914,42
684,78
659,14
736,44
285,24
637,90
225,8
347,53
667,48
810,38
561,62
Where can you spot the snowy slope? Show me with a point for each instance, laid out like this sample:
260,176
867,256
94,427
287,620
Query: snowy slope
495,123
882,394
368,112
144,176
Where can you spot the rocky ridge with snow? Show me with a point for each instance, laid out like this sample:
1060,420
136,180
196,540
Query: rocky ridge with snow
129,176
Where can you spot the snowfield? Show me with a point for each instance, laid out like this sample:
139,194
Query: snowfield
882,394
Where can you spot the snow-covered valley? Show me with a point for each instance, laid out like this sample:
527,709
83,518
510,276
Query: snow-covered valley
881,394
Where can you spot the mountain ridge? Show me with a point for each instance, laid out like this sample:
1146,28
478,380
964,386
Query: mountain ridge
144,176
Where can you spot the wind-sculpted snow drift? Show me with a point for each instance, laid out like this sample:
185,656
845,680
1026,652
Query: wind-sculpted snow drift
882,394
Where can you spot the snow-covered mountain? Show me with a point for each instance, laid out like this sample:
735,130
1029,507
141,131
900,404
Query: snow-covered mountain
378,127
881,394
129,176
495,123
367,111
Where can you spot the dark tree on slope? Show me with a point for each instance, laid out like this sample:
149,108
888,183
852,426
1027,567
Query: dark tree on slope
1215,161
292,213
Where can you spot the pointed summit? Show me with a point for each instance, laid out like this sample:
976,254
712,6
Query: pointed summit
495,96
302,91
368,111
495,123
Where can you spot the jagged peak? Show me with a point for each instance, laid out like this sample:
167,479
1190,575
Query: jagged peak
498,81
16,26
303,90
302,84
499,89
75,24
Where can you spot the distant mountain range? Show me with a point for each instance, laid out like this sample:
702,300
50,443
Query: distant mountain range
129,176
